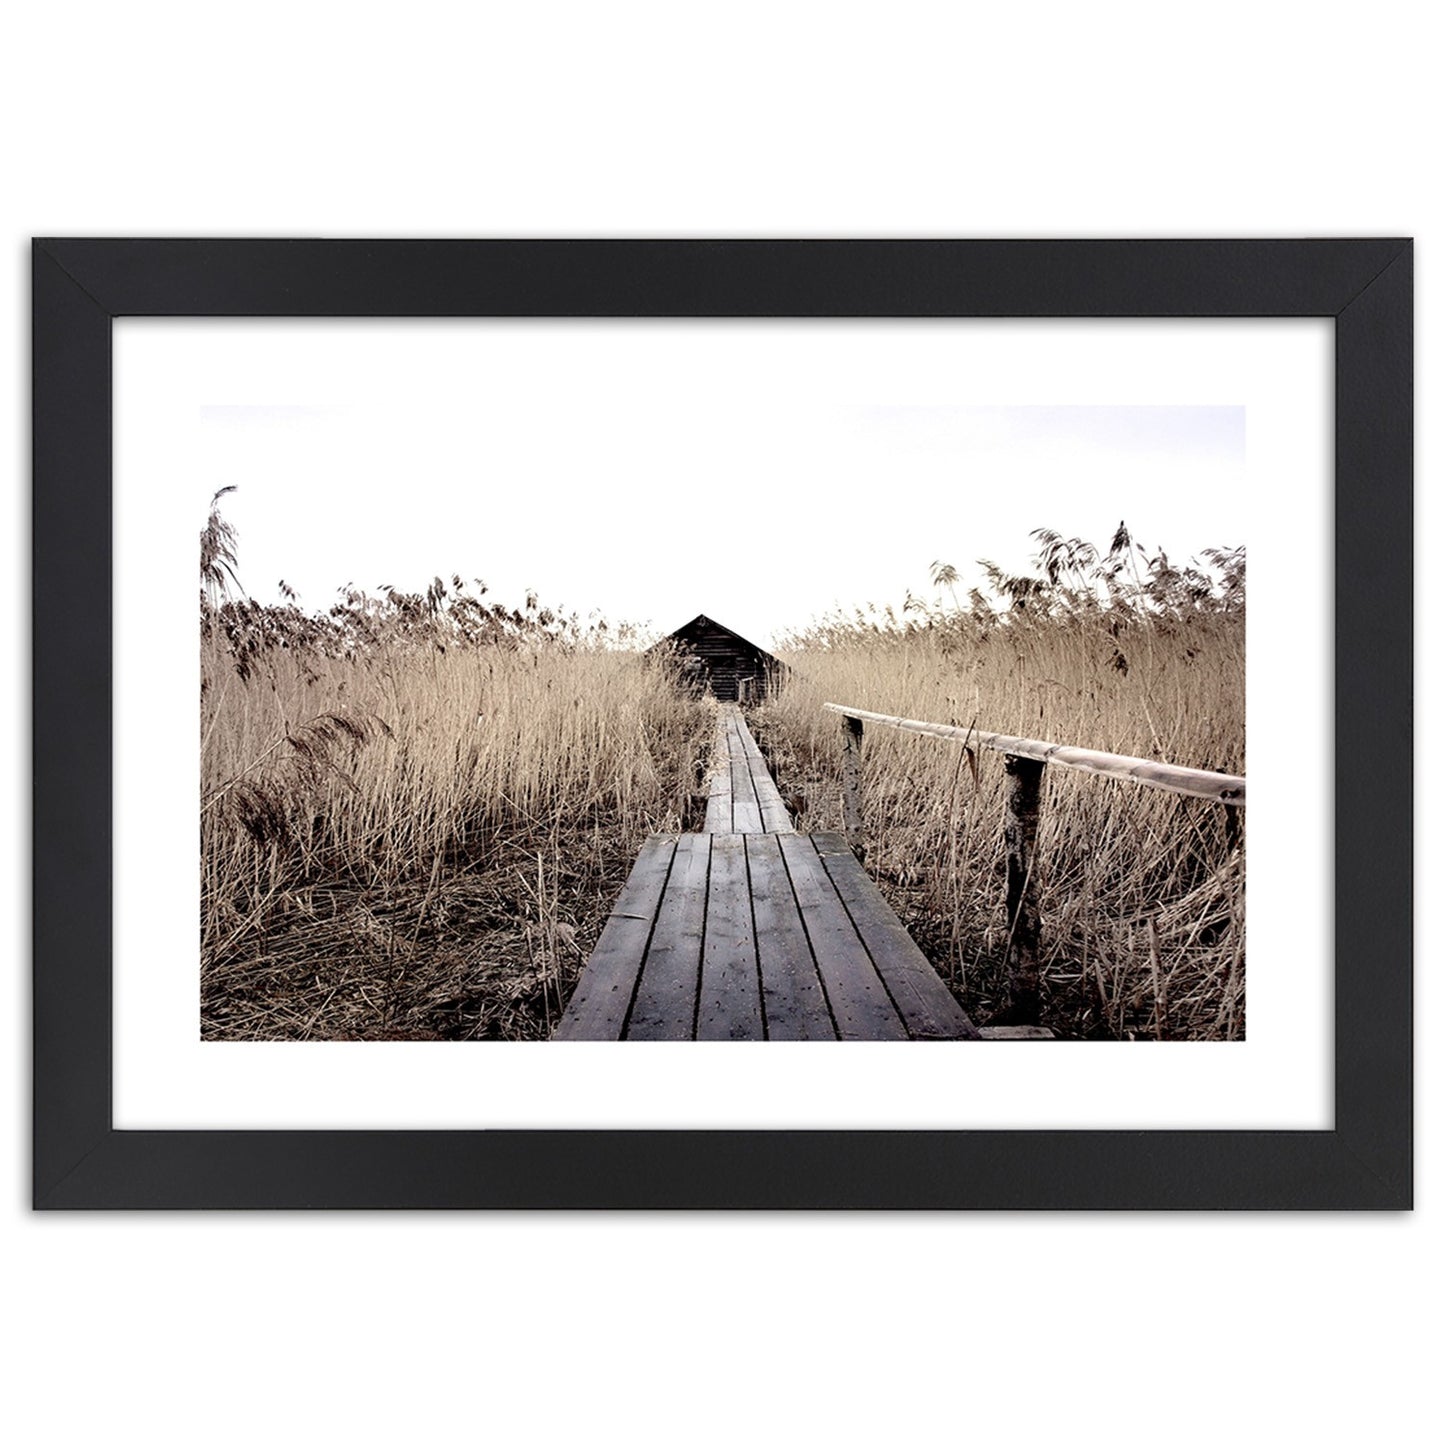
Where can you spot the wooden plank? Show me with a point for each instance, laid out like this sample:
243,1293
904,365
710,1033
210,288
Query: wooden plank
859,1002
599,1003
1017,1033
746,739
794,1003
776,818
771,808
665,1006
1170,777
922,998
751,751
742,797
719,799
719,817
730,1004
770,801
747,816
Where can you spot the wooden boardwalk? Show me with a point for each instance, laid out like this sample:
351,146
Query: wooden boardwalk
742,796
751,930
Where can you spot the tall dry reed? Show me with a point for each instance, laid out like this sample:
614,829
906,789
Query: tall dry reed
1141,892
412,823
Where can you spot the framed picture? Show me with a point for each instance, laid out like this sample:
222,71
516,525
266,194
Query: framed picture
863,806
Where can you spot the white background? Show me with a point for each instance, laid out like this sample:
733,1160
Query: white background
626,119
1278,373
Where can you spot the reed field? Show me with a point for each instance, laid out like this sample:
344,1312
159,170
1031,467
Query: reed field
1141,892
417,809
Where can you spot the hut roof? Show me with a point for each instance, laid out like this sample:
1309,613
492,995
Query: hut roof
731,667
703,623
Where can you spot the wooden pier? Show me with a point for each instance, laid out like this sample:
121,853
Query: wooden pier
742,796
752,930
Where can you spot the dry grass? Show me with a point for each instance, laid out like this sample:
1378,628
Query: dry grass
411,833
1141,892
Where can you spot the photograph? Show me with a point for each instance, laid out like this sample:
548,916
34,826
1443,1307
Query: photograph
599,704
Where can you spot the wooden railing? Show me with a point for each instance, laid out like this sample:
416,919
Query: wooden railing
1024,762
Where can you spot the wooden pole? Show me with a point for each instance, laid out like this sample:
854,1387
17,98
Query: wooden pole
853,784
1021,827
1192,782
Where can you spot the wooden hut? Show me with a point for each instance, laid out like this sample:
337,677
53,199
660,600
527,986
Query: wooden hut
730,667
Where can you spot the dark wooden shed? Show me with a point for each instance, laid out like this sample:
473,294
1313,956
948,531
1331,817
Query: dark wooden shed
730,667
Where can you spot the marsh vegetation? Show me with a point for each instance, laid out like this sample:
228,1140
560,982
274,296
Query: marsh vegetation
1115,648
417,809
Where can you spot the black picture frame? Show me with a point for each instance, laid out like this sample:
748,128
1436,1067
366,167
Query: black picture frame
82,1162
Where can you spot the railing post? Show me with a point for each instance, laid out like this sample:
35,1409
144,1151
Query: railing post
853,783
1021,826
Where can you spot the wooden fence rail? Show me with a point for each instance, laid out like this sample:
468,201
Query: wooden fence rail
1024,762
1193,782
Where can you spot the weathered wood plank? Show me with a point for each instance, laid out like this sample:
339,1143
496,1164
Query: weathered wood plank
860,1004
770,801
665,1006
719,818
794,1003
719,815
771,808
748,748
730,1002
748,742
747,816
599,1003
928,1009
776,818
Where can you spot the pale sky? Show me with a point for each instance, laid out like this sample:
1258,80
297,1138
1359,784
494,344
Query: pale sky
679,475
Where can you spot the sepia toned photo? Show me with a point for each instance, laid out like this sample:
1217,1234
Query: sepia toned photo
835,719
